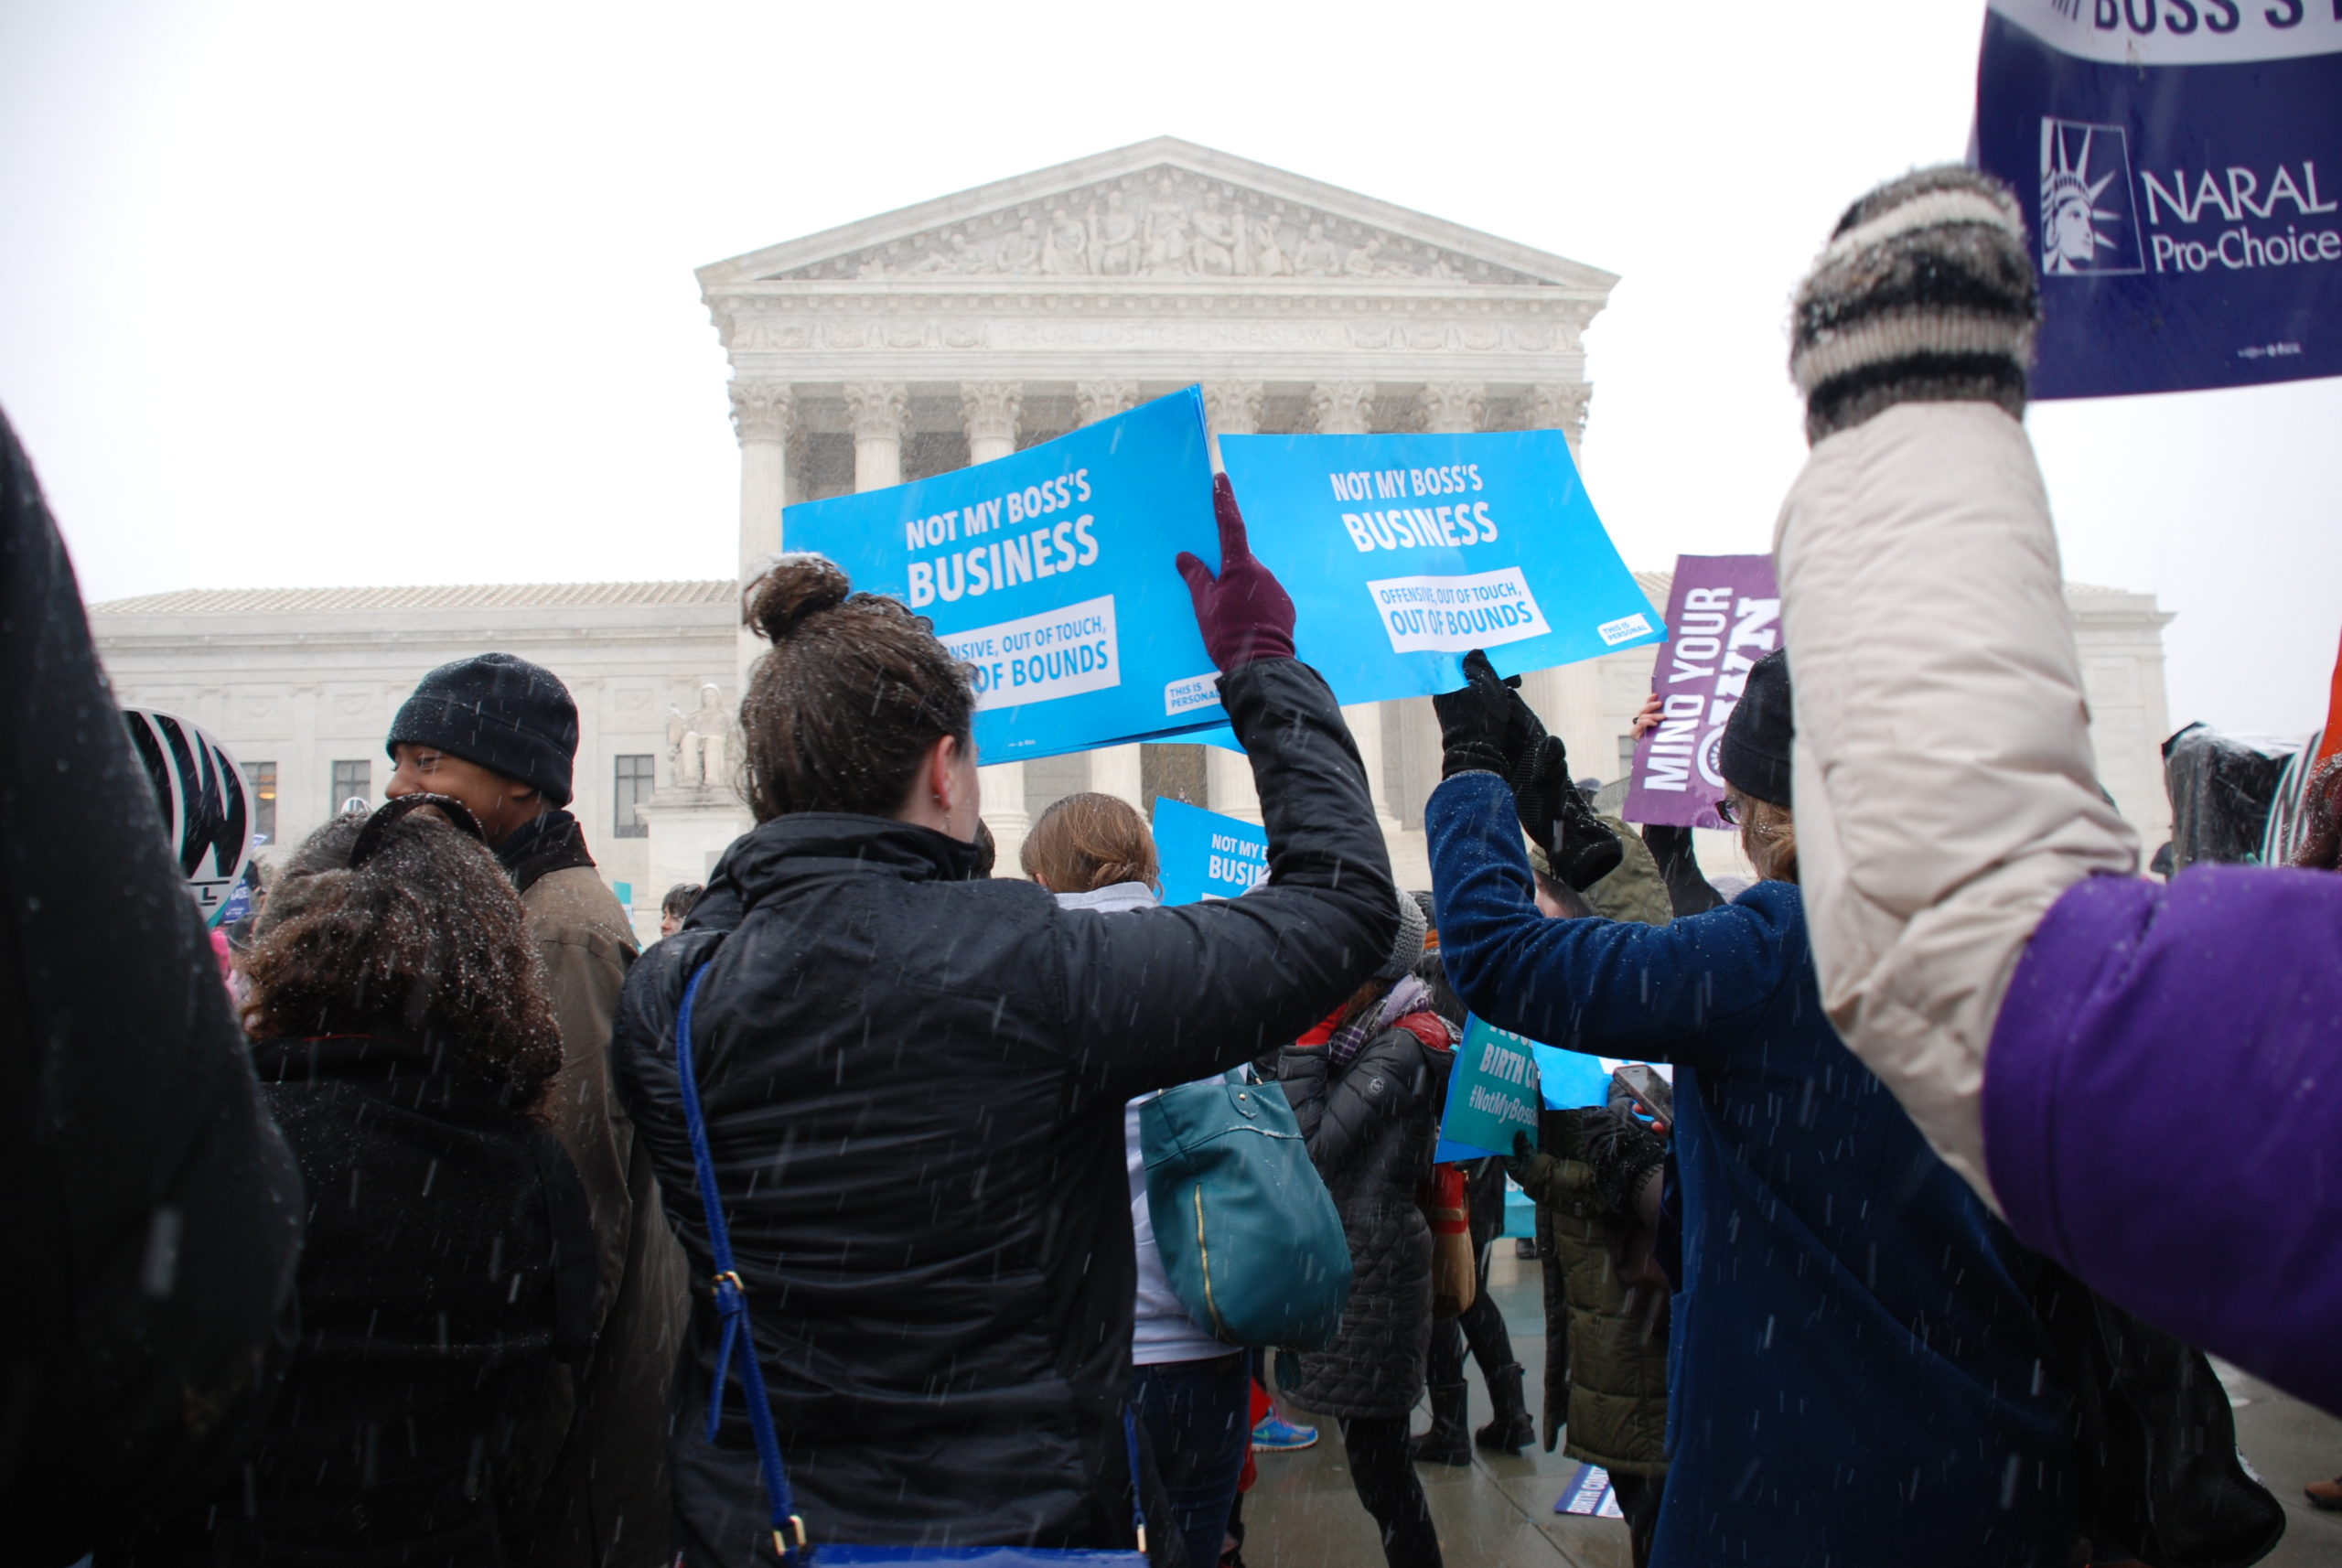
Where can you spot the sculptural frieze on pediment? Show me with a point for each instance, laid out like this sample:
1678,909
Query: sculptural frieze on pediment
1164,223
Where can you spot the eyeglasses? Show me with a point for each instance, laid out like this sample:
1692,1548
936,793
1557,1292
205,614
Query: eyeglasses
1728,812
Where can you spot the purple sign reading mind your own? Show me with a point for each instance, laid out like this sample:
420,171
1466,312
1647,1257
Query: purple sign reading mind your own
1723,614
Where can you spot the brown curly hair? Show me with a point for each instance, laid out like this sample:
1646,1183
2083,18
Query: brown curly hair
1087,840
2320,847
425,940
854,689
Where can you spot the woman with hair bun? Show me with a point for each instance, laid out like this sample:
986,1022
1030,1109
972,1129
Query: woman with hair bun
404,1042
914,1082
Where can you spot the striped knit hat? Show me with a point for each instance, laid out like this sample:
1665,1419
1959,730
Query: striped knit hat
1925,294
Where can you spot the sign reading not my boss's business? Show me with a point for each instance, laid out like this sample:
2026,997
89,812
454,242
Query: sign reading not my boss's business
1204,855
1404,553
1050,573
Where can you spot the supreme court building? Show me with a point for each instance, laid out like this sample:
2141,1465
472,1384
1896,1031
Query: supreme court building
960,330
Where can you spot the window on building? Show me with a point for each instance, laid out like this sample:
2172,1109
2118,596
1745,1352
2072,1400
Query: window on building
352,781
260,781
631,787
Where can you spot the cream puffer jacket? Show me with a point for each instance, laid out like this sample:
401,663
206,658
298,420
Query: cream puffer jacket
1945,788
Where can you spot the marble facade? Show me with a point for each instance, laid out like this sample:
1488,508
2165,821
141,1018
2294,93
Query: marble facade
959,330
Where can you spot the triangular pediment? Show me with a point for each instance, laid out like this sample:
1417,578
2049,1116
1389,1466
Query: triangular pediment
1160,211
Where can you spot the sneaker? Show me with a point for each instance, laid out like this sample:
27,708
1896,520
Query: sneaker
1277,1435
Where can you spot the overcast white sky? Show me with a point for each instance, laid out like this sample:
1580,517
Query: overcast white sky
294,293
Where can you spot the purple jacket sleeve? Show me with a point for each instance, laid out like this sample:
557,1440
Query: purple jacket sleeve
2163,1109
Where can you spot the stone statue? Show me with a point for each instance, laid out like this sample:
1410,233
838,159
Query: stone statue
1269,260
698,741
1118,249
1217,237
1320,257
1020,253
1068,253
1167,239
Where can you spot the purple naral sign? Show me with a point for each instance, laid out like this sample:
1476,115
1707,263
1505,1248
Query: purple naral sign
1723,614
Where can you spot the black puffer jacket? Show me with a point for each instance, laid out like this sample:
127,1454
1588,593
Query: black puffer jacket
1371,1128
449,1264
915,1087
149,1211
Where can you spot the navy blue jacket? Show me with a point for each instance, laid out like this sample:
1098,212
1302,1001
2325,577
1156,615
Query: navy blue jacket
1857,1374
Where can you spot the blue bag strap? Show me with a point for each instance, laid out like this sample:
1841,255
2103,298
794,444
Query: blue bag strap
732,1304
732,1308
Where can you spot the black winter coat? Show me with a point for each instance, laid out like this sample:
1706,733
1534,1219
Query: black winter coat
1371,1127
449,1263
914,1084
149,1212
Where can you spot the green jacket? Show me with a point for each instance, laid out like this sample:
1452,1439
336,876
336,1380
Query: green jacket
1605,1354
1606,1369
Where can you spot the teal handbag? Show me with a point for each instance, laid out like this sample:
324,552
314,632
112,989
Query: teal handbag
1249,1237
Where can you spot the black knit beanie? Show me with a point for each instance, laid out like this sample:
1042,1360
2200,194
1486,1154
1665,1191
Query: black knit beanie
1925,294
1755,756
505,714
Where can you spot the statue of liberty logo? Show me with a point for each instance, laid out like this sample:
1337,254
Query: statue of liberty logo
2081,215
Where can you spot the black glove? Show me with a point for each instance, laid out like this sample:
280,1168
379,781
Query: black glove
1580,848
1688,892
1622,1152
1485,726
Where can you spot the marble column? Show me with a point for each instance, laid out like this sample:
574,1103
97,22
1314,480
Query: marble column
990,409
1454,408
762,413
1228,776
1365,720
1342,408
1569,697
1560,407
1094,401
1113,769
878,413
1232,408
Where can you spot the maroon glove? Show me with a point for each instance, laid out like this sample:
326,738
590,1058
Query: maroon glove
1244,613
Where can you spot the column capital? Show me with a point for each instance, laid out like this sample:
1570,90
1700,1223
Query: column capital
1560,407
1233,408
1342,408
762,410
990,411
1454,407
877,410
1094,401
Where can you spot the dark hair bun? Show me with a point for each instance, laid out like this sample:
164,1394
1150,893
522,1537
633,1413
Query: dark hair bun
793,588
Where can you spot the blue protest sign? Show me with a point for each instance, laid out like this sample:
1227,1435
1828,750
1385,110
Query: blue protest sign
2184,162
1491,1093
1204,855
1049,572
1570,1081
1404,553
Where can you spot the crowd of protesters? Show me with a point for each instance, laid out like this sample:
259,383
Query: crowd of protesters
463,1232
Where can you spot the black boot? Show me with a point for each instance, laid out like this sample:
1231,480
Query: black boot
1446,1442
1510,1431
